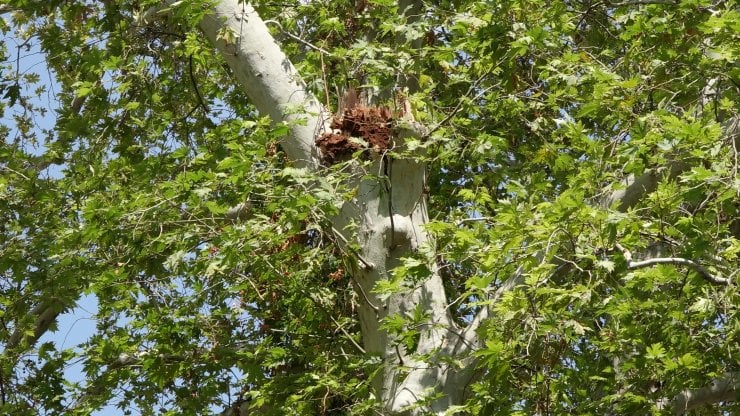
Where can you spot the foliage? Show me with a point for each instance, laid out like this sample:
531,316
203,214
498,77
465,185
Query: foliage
538,112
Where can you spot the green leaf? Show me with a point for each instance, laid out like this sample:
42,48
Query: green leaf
655,352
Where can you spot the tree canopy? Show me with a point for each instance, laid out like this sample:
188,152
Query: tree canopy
372,207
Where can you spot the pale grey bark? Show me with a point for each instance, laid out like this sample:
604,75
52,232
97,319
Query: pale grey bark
382,224
45,314
636,187
385,220
268,77
725,389
652,260
703,272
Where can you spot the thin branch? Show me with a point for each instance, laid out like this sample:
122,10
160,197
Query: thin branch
464,220
717,280
459,104
347,334
364,296
195,86
703,272
641,2
294,37
339,326
469,335
16,172
366,264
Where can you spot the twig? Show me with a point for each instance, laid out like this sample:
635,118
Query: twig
16,172
309,44
640,2
368,265
344,331
364,295
464,220
400,356
460,103
323,78
195,86
256,290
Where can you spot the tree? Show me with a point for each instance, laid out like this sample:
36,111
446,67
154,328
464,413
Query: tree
516,207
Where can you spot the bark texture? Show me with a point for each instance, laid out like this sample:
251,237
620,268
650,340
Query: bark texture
383,223
268,77
385,220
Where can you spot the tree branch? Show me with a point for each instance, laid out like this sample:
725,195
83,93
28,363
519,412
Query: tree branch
469,336
724,389
703,272
636,187
269,78
640,2
46,314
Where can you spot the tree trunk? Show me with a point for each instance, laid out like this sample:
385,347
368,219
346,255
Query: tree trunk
385,220
383,223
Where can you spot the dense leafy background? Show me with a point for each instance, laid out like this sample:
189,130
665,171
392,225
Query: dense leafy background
539,111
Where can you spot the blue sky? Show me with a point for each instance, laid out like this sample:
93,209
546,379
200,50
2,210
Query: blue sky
76,326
